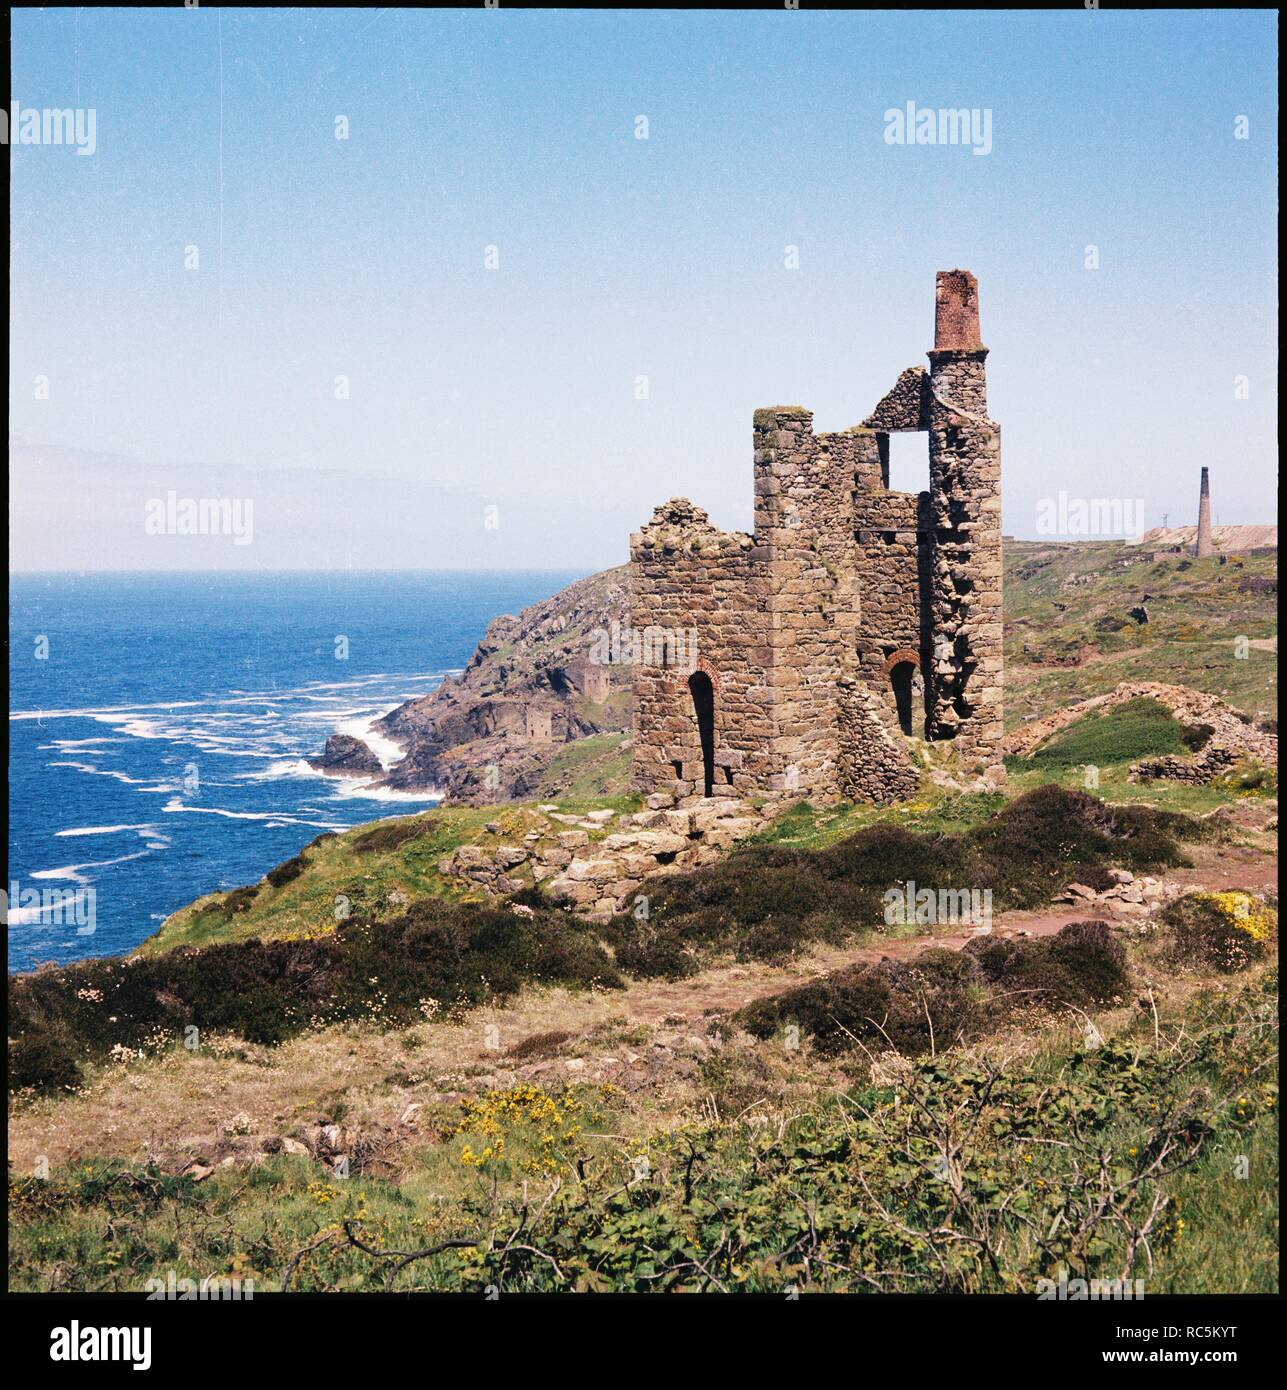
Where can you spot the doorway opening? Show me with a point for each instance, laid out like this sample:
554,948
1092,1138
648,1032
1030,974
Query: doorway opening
703,693
901,678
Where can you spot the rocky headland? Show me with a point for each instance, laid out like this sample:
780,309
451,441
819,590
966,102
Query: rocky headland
501,729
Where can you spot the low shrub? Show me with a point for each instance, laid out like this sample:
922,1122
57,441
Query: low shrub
266,991
655,954
920,1006
539,1045
44,1060
1196,736
943,997
287,872
239,900
1082,964
1248,777
391,834
1032,848
1226,931
767,902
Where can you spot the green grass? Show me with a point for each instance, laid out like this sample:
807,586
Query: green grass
594,767
805,826
1229,1241
372,869
1114,786
335,869
1140,728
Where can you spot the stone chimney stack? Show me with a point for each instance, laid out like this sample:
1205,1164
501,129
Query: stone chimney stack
965,677
1204,546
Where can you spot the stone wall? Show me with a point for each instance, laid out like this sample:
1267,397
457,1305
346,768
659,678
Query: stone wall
967,678
893,539
689,577
966,685
803,486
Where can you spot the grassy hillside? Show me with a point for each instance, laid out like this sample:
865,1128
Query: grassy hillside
372,871
758,1085
1069,633
375,870
296,963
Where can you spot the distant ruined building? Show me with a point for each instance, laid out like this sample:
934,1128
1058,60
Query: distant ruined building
816,635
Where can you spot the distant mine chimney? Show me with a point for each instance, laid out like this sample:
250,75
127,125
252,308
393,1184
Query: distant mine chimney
1204,546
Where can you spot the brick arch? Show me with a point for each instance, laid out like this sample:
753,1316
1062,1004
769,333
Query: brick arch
682,674
902,654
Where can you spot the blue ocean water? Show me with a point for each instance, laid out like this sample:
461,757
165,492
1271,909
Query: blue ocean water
159,722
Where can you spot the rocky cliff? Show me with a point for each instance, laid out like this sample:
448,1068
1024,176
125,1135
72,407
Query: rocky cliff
514,723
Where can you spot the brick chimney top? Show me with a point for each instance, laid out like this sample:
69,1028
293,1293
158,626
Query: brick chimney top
956,312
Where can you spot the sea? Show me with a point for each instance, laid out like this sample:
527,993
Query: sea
159,726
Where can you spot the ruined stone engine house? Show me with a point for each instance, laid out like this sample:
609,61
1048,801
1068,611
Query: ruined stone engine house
853,618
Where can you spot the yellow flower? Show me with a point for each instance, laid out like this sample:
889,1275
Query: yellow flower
1247,914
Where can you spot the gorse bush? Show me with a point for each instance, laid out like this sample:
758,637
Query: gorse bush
766,902
44,1059
1225,930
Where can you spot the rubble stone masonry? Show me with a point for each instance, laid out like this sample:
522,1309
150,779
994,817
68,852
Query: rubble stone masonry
853,618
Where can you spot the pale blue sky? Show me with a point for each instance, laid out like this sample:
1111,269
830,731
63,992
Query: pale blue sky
620,258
